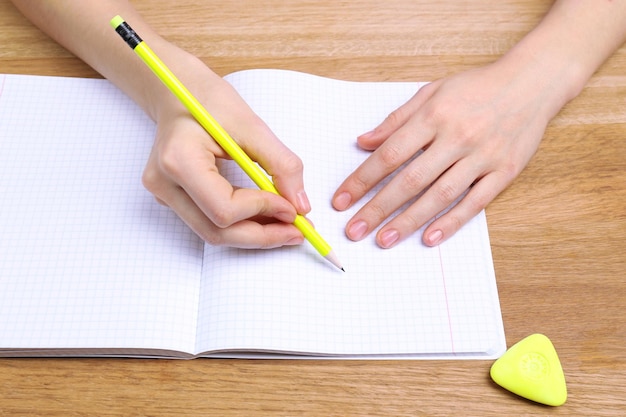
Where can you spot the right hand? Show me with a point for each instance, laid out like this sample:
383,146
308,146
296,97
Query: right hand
182,173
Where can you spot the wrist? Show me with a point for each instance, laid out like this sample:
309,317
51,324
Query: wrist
546,71
159,101
568,46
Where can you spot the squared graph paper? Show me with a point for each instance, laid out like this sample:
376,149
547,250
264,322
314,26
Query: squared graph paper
90,264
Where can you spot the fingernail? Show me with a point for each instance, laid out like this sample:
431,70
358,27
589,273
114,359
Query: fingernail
388,238
304,206
342,201
357,230
434,238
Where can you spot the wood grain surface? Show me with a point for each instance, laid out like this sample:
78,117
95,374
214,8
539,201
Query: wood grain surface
558,233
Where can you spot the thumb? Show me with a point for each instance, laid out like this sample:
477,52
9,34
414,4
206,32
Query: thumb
373,139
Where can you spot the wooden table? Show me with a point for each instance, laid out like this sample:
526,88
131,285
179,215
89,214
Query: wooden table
558,233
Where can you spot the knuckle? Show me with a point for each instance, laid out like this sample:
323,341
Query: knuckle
505,168
222,215
376,211
436,114
391,156
466,137
411,221
445,192
359,184
291,163
477,201
151,179
454,222
395,118
511,170
169,162
413,180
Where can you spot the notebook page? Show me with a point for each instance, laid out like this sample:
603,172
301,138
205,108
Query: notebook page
411,301
88,259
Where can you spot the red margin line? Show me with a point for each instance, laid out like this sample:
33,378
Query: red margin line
445,291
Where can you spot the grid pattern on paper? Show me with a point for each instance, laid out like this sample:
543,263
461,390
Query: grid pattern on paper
88,259
409,300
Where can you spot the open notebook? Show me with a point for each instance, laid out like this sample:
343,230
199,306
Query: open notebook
90,264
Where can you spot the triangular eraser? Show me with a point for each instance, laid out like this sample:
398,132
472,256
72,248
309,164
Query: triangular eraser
531,369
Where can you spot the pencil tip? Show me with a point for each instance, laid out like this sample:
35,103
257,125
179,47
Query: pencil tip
330,256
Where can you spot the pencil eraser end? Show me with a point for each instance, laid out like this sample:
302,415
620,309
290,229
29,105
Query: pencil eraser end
116,21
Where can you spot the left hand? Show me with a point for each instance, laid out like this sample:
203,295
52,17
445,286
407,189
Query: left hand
477,130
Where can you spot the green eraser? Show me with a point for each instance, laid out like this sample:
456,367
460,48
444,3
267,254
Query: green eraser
116,21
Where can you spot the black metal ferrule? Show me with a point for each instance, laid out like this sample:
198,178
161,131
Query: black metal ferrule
128,34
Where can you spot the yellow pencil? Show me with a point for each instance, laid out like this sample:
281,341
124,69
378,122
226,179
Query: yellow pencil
216,131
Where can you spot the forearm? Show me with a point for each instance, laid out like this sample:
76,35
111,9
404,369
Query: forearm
83,28
567,47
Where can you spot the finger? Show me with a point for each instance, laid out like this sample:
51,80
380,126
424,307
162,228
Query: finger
284,166
477,198
225,205
394,152
408,183
196,173
261,144
244,234
440,195
396,140
396,119
252,235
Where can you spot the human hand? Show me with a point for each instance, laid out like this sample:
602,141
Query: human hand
477,130
182,171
